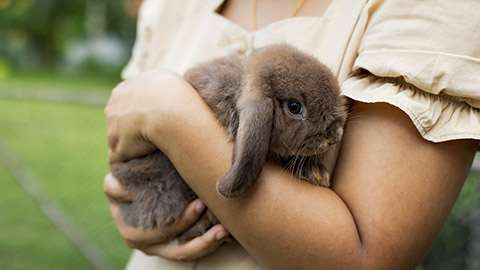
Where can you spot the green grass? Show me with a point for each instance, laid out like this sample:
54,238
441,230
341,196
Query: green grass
28,240
65,148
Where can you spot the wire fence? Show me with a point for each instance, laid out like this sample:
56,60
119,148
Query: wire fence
52,210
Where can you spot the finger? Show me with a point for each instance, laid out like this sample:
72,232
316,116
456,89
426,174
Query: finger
112,132
133,236
190,215
114,156
130,148
115,190
139,238
130,141
144,237
196,248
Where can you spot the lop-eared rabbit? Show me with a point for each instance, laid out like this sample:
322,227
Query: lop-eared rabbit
277,104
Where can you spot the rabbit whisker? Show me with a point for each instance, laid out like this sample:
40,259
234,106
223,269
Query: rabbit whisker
296,164
288,148
300,167
290,165
305,161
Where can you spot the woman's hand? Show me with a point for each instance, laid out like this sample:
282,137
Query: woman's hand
160,241
136,125
133,112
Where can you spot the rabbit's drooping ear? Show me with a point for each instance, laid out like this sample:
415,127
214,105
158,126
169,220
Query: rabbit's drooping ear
251,144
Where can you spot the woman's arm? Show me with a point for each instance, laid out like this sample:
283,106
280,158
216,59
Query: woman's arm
392,189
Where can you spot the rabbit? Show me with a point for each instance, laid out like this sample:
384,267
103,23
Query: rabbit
278,104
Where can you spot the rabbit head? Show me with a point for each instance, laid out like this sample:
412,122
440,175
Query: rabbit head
289,105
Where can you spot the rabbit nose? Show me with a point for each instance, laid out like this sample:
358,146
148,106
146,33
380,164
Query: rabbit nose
331,141
324,145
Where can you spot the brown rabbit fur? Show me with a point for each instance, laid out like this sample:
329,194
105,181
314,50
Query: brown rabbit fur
278,104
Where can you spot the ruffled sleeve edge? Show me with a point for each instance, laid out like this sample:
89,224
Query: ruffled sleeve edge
433,72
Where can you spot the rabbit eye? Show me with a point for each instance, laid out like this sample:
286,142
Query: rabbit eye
294,107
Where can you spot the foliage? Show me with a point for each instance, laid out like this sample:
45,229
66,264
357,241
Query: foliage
451,248
35,34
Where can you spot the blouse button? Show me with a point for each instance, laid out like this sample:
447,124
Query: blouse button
237,46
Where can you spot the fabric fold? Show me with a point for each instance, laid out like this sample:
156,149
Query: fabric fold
438,118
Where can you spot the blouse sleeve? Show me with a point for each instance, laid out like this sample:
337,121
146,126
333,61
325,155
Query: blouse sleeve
423,57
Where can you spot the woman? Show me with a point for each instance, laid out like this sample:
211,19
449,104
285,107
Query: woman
409,142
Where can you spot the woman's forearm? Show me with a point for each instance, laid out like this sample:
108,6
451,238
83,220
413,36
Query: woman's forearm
282,221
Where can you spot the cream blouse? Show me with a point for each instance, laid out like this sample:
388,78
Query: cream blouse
421,56
434,46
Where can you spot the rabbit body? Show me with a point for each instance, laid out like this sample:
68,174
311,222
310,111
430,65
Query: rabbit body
278,104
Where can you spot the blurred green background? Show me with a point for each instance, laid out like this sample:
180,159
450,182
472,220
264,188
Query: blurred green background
58,62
